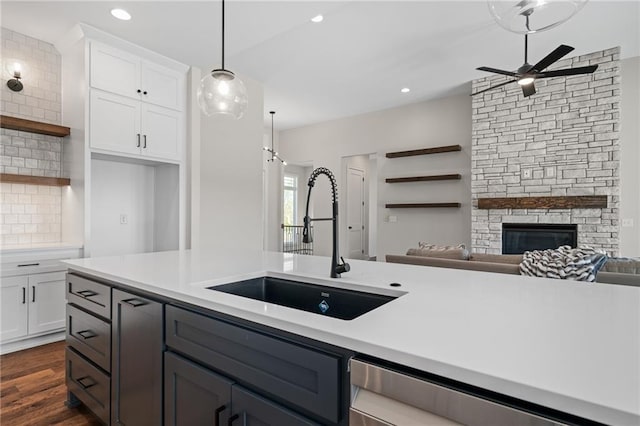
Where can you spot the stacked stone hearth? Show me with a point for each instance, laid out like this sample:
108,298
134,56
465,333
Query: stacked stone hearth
562,141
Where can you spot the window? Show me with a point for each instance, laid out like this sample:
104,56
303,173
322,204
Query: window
290,200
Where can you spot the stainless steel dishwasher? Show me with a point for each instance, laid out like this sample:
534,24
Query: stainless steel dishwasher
383,397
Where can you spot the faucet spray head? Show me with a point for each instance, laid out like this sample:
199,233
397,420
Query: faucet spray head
306,235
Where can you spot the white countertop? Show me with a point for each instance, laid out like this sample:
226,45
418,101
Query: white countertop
570,346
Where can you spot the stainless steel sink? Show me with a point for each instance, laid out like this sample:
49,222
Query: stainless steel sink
322,300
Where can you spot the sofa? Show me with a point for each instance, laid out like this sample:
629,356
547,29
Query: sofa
621,271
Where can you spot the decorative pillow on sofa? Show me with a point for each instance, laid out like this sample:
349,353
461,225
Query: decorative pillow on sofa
458,252
580,264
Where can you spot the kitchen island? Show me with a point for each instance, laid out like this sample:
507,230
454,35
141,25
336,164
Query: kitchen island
569,346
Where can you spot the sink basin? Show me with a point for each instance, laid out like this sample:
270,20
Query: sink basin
328,301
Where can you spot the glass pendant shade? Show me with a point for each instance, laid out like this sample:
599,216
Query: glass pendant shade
532,16
221,92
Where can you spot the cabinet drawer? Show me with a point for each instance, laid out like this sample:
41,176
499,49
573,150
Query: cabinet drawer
89,335
285,371
92,296
88,384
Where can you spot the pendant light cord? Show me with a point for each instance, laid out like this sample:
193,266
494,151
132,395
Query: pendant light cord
223,35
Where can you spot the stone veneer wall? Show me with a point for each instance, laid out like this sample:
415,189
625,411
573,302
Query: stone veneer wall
31,213
561,141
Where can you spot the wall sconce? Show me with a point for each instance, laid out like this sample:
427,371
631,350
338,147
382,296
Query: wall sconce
15,84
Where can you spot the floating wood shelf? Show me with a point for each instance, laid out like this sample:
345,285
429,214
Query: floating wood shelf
422,205
424,151
23,125
455,176
34,180
568,202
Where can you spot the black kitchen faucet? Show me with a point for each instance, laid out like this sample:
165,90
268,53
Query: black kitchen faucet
336,268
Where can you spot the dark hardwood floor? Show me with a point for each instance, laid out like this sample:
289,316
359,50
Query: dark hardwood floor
32,389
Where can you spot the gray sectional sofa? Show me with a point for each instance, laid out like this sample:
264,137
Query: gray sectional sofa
621,271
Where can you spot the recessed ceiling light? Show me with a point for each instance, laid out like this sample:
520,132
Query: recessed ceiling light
121,14
318,18
405,90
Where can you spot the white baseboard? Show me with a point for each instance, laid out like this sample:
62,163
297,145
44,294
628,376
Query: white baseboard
32,342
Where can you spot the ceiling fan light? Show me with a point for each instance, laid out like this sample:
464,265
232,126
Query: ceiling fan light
525,81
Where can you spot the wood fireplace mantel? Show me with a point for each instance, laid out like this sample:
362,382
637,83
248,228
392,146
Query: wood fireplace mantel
564,202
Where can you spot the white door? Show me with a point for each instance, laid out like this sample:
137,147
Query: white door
13,307
355,213
162,86
161,135
115,123
46,302
115,71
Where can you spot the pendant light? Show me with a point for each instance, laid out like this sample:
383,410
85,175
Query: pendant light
533,16
221,91
274,154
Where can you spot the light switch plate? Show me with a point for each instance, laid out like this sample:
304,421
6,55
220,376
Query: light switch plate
393,218
124,219
627,223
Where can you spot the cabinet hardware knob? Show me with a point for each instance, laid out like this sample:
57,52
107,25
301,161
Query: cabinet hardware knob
233,419
33,296
135,302
144,93
24,295
138,145
219,410
81,381
86,334
139,90
145,141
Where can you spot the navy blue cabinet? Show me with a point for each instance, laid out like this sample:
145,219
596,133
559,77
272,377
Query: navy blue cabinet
136,374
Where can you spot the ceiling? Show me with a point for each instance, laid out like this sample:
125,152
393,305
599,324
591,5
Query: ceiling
355,61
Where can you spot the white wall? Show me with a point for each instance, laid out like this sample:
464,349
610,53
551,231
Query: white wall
440,122
272,172
228,189
630,156
121,188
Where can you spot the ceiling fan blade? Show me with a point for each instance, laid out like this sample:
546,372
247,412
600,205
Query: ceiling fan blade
493,87
552,57
497,71
528,90
568,71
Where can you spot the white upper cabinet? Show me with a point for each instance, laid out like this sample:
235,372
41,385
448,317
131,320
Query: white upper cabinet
162,86
161,129
115,123
136,106
119,72
115,71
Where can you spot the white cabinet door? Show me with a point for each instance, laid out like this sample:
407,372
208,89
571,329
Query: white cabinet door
162,86
13,307
114,123
115,71
162,135
47,302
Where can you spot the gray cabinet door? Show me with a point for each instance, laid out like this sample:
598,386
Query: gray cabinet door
250,409
194,395
136,376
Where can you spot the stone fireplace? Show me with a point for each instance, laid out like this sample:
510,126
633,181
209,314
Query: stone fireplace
560,142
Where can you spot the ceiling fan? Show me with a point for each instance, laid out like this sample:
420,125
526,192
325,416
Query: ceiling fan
526,75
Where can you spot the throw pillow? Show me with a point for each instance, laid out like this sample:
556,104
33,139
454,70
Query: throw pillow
427,246
451,253
580,264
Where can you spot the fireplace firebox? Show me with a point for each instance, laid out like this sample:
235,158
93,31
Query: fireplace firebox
520,237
